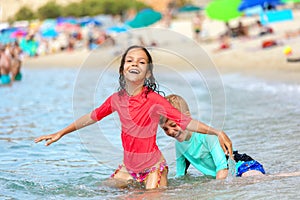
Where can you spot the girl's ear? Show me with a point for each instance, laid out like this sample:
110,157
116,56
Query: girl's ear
148,75
187,113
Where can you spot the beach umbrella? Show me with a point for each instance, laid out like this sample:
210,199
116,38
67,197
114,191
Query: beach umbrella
8,30
256,10
48,24
5,38
50,33
5,35
290,1
223,10
89,21
189,8
34,25
116,29
67,27
145,18
245,4
70,20
275,16
19,33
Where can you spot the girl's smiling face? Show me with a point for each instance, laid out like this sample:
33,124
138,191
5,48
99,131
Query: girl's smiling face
136,67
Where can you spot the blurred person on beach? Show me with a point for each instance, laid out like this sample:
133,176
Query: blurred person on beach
167,17
228,30
29,45
263,30
242,30
197,22
5,66
139,105
141,41
203,151
225,43
16,62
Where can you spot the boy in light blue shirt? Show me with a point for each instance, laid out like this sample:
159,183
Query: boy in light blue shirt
203,151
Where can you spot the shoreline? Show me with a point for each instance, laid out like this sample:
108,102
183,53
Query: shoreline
271,68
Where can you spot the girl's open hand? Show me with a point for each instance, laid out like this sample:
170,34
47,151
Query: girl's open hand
48,138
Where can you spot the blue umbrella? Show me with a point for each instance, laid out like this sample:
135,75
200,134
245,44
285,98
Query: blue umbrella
49,33
144,18
245,4
116,29
70,20
89,21
5,38
8,30
48,24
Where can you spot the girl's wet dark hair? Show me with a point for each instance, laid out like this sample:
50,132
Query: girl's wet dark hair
150,83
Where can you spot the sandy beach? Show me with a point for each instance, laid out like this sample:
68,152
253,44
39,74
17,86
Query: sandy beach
245,55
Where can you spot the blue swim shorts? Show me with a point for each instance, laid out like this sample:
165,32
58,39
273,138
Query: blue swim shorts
249,165
18,77
5,79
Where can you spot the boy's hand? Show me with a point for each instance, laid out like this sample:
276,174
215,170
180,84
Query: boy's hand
225,143
49,138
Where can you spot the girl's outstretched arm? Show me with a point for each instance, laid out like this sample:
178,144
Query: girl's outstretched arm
83,121
225,142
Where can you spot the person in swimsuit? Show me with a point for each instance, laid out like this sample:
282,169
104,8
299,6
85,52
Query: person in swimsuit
203,151
16,62
5,67
139,105
197,22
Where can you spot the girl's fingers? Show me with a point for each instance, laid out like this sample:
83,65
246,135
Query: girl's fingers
39,139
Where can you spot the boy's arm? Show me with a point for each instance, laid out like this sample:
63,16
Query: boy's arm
78,124
199,127
180,166
219,158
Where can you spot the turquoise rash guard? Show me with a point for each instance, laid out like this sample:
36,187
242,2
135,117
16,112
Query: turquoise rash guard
203,152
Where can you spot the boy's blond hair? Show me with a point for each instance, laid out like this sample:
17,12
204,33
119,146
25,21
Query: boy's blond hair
177,102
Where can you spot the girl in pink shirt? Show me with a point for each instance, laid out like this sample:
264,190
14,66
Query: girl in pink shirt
139,106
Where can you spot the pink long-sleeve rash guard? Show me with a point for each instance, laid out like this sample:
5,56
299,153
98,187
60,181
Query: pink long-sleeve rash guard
139,117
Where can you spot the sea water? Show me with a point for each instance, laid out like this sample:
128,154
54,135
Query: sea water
261,118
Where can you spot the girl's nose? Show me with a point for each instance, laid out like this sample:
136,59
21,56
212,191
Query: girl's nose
134,63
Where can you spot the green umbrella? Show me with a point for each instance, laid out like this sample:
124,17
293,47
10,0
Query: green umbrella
223,10
144,18
293,1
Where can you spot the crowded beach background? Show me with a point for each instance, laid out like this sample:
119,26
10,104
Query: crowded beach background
260,35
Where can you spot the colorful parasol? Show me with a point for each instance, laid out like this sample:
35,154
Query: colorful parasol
223,10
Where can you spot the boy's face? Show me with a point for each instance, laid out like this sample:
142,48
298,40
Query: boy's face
173,130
